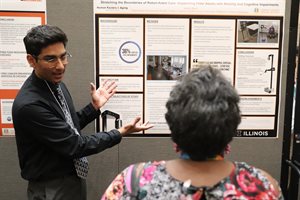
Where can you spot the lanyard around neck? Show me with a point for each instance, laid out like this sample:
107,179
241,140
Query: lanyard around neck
57,101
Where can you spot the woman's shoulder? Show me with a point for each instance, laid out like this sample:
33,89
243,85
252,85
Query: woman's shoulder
138,168
147,164
258,179
243,168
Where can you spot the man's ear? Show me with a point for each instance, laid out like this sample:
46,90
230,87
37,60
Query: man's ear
31,60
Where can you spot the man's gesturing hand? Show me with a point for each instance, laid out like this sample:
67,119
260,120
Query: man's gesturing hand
134,126
103,93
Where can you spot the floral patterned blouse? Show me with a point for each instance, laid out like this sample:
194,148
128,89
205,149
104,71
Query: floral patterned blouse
152,181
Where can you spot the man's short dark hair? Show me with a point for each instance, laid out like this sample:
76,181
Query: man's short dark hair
40,37
203,113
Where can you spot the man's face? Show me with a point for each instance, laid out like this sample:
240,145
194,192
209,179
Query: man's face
50,65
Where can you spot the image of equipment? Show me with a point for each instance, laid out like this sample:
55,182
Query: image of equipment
110,115
263,31
272,69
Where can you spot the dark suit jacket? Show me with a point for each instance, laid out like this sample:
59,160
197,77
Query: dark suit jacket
46,144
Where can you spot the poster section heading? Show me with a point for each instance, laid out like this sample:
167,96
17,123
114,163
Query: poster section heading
192,7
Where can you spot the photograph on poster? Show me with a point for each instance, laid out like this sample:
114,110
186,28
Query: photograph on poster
259,32
165,67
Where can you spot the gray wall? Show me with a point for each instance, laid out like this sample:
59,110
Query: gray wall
76,19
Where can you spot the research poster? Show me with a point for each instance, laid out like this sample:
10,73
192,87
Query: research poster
146,46
16,18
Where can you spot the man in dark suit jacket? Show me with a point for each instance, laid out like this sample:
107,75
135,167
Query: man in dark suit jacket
47,143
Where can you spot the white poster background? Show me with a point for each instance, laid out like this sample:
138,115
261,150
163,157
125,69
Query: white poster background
23,5
119,37
157,94
14,66
8,131
213,44
253,74
166,36
257,123
128,106
125,84
259,105
166,39
6,106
